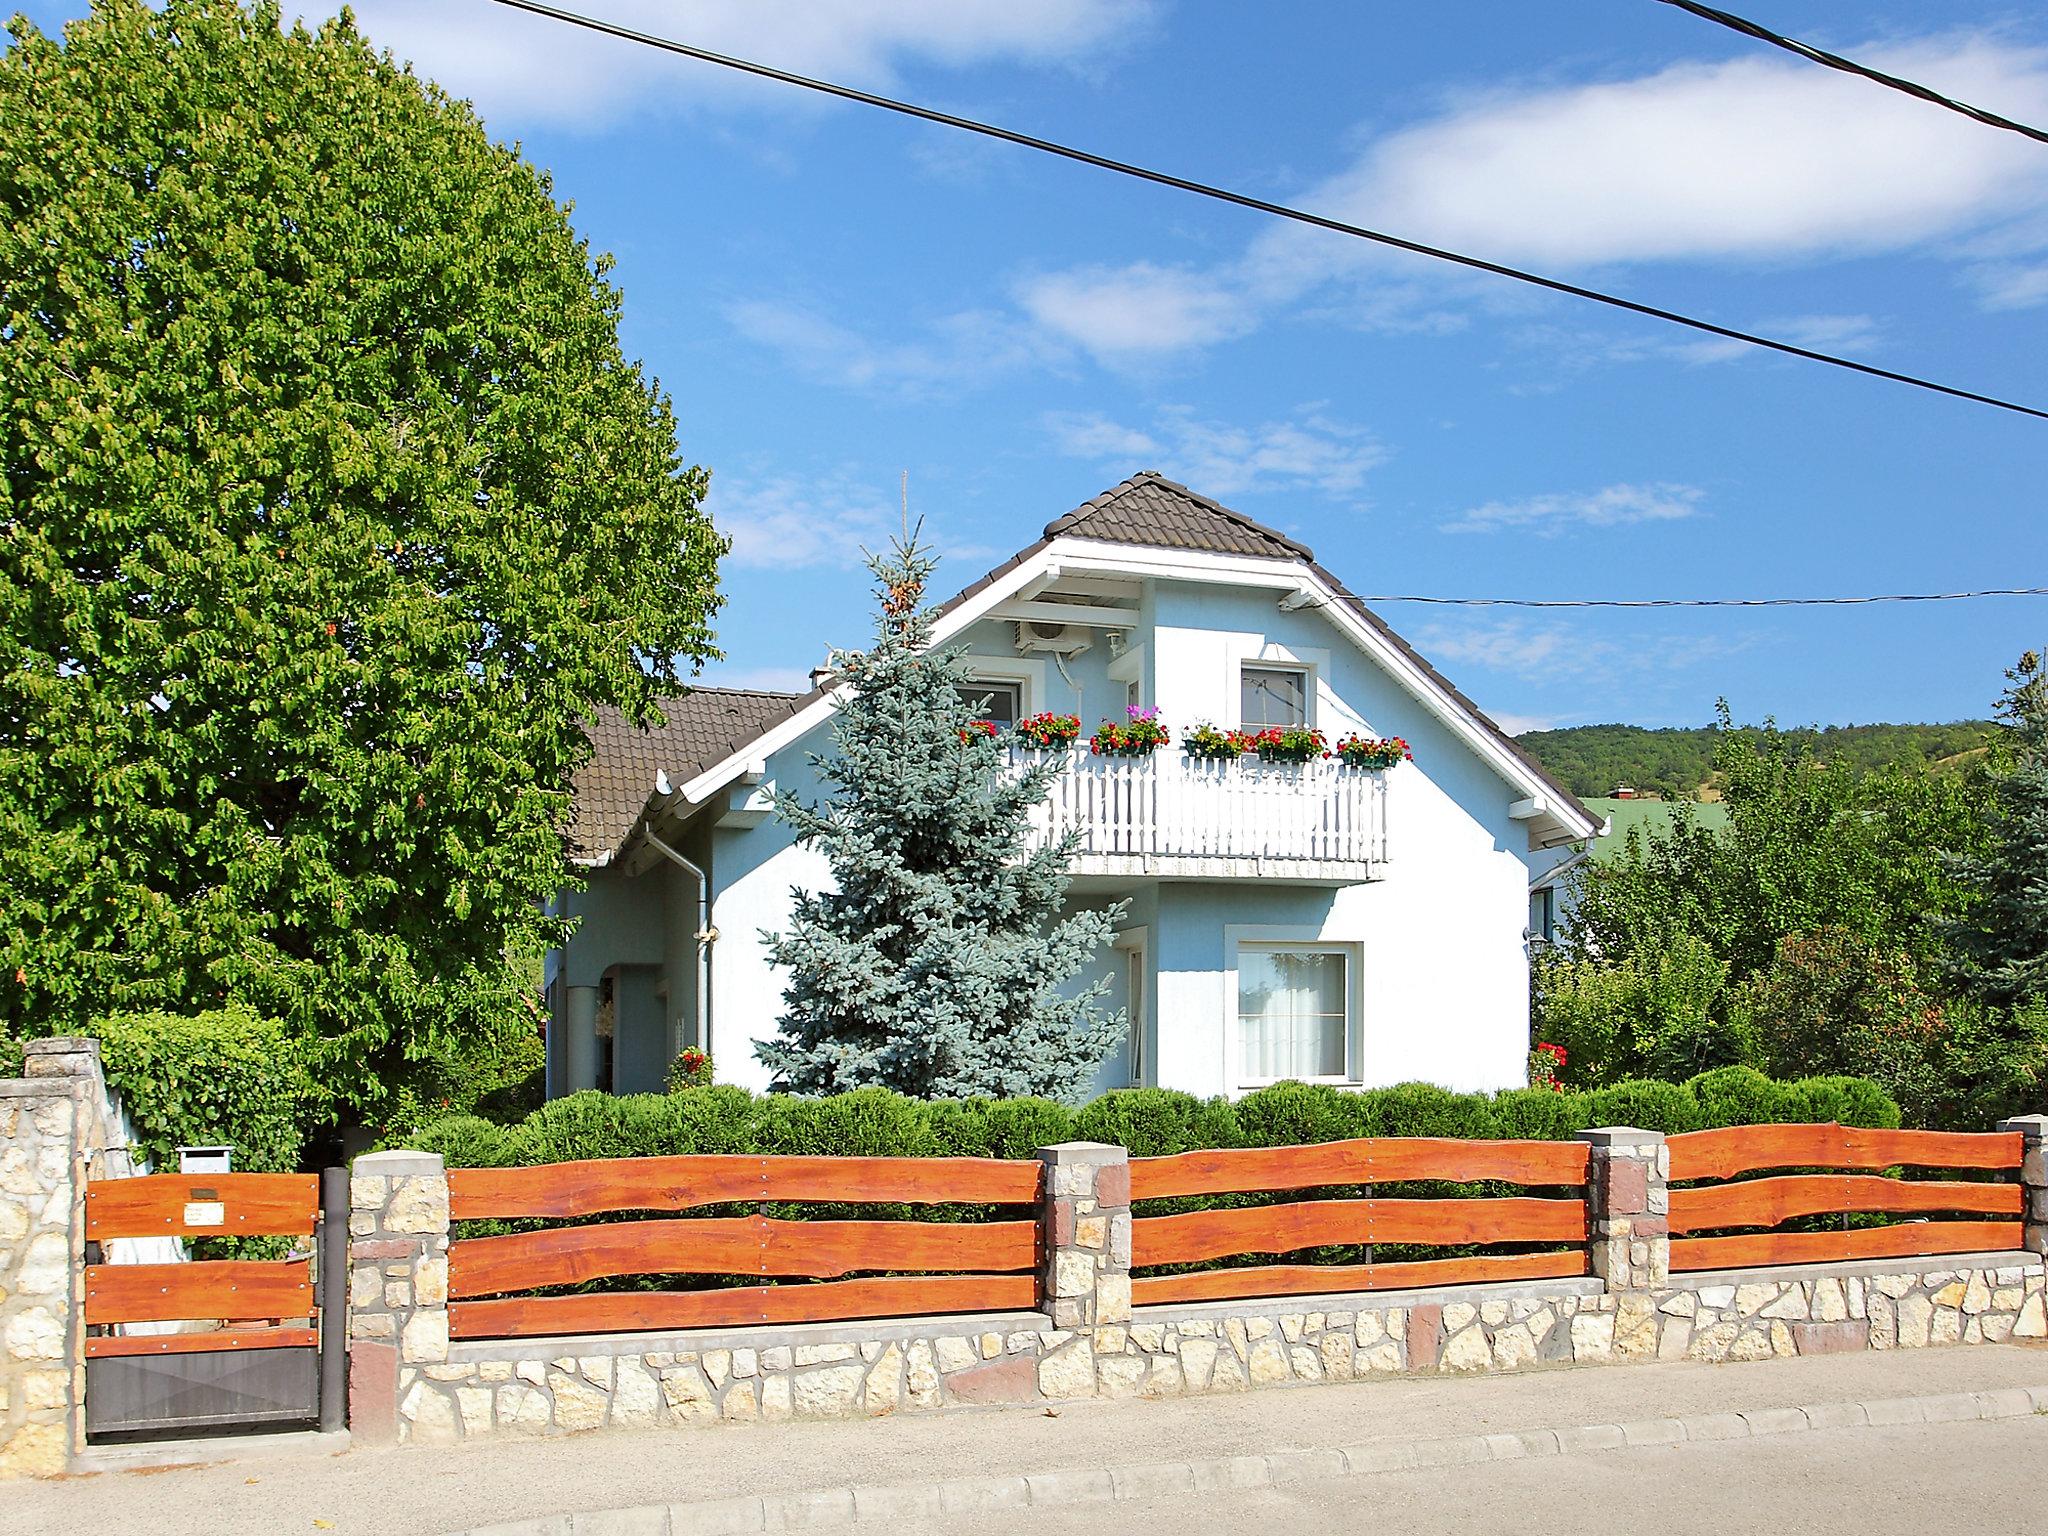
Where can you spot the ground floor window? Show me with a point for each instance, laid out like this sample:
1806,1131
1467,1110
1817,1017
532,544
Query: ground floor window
1294,1012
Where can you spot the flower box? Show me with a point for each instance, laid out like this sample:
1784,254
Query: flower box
1047,732
1373,751
1138,736
1287,744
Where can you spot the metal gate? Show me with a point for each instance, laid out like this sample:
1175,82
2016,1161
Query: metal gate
259,1342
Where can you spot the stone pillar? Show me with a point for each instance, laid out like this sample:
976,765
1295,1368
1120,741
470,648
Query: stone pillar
2033,1131
1628,1208
1084,1278
49,1128
398,1287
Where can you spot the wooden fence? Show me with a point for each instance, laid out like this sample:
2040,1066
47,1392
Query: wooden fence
963,1266
1736,1202
1198,1236
254,1304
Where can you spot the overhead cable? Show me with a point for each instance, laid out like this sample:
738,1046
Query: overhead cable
1700,602
1821,56
1257,204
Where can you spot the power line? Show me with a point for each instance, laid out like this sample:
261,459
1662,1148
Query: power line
1700,602
1764,34
1244,200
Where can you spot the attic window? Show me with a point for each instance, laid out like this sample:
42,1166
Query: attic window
1000,702
1273,696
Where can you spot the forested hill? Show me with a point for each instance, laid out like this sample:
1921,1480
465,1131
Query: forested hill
1673,762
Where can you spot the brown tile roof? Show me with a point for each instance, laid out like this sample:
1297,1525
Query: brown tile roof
707,725
703,725
1150,509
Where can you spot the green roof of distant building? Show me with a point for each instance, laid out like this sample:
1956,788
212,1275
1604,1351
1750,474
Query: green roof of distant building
1650,815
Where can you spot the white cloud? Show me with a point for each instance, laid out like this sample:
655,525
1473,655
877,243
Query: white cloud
528,67
790,522
973,346
1612,506
1311,449
1535,648
1516,725
784,522
1122,314
1749,160
1752,157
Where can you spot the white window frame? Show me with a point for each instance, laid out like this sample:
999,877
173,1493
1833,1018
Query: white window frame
1305,672
1027,676
1134,945
1239,937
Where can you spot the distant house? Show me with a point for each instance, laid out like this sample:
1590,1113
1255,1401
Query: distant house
1315,921
1550,889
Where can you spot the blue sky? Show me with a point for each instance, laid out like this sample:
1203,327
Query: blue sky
835,297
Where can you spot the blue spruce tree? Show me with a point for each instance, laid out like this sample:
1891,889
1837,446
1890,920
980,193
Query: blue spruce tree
2002,941
935,967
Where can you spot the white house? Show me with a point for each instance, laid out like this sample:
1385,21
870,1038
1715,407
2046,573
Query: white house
1318,922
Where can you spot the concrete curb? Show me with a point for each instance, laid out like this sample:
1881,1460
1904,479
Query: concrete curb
829,1507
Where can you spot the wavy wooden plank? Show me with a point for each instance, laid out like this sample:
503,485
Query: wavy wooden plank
1766,1202
1316,1279
600,1186
234,1289
1366,1160
1906,1240
156,1205
738,1245
219,1339
646,1311
1198,1235
1746,1148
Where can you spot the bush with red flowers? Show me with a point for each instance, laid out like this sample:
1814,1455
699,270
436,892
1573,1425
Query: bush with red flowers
1139,736
1048,731
1545,1062
1373,751
1287,744
690,1069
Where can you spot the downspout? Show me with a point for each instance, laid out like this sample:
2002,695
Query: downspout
706,935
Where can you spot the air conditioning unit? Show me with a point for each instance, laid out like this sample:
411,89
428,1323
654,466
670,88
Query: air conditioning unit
1062,639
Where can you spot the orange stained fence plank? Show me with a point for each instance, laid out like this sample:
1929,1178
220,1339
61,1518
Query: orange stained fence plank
646,1311
235,1289
1316,1279
1746,1148
1906,1240
228,1339
1367,1160
1198,1235
601,1186
1766,1202
741,1245
186,1205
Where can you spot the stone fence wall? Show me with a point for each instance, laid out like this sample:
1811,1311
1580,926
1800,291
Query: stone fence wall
408,1381
1087,1340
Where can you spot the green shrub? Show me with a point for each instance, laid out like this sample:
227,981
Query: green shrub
224,1078
1151,1122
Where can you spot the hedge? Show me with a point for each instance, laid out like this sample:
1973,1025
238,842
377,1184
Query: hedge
228,1078
1151,1122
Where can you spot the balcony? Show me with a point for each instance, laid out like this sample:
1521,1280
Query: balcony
1174,817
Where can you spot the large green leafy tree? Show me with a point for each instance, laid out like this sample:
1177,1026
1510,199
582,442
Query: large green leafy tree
936,965
2002,943
330,505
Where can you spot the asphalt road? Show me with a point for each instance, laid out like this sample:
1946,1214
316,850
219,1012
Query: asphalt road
1979,1478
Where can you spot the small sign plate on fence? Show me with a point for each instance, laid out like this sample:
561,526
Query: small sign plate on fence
205,1213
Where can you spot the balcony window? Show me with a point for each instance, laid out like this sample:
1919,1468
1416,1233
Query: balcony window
1294,1012
1000,702
1272,696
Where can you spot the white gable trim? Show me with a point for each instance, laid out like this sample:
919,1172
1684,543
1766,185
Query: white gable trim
1067,554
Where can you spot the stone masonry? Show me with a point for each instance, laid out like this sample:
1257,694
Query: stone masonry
2033,1131
52,1123
1086,1340
397,1292
1628,1208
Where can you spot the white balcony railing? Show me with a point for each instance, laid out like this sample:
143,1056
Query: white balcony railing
1168,814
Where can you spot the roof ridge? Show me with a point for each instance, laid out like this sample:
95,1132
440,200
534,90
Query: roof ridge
1072,521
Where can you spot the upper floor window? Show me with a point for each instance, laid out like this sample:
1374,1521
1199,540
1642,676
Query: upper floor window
1273,696
1000,702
